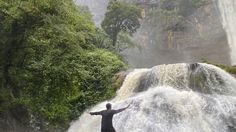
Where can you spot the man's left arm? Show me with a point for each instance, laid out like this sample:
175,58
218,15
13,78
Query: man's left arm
96,113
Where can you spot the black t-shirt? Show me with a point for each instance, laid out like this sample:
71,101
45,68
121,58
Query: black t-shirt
107,116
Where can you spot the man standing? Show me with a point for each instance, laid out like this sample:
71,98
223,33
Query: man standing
107,116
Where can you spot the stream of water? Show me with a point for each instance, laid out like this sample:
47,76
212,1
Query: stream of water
228,14
171,98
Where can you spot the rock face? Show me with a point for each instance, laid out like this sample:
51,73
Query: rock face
179,31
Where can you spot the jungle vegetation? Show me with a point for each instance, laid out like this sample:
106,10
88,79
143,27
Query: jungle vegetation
54,62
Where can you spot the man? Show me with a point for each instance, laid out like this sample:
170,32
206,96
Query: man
107,116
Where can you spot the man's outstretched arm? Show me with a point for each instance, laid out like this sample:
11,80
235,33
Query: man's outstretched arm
120,110
96,113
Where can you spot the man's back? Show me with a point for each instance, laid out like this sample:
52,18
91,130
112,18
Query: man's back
107,125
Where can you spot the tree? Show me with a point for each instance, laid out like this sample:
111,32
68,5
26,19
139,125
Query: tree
119,17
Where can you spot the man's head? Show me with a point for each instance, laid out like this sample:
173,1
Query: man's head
108,105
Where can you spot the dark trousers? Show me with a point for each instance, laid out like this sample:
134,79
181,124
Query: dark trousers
108,130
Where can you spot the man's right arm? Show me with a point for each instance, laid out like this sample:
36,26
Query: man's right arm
120,110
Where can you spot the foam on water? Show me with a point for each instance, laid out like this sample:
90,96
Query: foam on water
165,99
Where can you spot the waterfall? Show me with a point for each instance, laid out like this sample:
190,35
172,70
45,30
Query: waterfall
228,14
171,98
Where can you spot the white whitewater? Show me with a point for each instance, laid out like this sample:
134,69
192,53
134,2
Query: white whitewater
171,98
228,14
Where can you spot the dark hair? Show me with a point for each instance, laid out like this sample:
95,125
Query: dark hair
108,105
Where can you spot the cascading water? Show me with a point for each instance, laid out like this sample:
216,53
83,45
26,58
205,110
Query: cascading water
171,98
228,14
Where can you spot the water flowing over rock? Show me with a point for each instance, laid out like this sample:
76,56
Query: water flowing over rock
171,98
228,14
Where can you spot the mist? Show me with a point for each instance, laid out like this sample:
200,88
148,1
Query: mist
173,32
97,8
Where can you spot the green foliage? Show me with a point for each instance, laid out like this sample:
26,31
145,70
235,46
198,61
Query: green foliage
229,69
102,40
101,65
198,3
49,60
187,7
124,41
5,100
183,8
119,17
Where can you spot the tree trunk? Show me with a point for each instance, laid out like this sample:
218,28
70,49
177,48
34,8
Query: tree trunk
114,40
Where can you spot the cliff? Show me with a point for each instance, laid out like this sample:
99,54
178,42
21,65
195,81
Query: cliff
179,31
